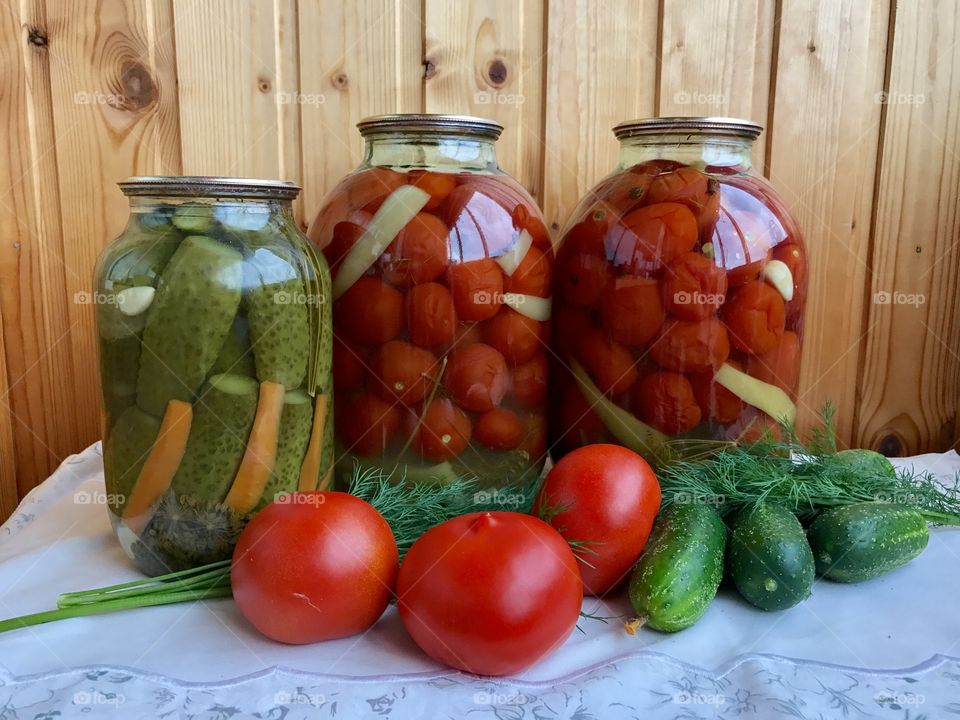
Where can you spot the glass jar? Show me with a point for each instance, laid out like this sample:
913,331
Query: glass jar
441,270
215,351
681,283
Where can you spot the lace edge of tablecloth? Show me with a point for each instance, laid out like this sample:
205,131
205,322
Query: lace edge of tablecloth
645,682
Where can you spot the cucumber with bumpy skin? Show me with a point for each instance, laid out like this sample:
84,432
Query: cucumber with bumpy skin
236,354
119,363
276,302
296,420
222,418
197,298
865,540
680,569
769,558
194,218
126,449
866,462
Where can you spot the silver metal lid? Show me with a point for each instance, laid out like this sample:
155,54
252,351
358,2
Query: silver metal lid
730,127
430,124
205,186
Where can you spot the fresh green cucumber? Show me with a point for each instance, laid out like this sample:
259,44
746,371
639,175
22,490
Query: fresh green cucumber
866,462
769,558
188,321
865,540
680,569
222,419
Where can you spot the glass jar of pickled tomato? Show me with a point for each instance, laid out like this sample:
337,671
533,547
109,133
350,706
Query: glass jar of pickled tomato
442,271
680,288
215,345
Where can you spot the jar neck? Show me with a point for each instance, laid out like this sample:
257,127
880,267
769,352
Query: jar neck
699,150
450,153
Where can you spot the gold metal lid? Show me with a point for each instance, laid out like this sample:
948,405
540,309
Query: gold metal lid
430,124
730,127
205,186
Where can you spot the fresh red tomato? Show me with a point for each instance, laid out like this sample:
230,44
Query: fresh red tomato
498,429
314,566
431,317
666,401
691,346
405,373
517,336
419,252
477,377
694,287
632,311
444,431
612,366
366,424
370,312
611,497
490,593
755,317
477,288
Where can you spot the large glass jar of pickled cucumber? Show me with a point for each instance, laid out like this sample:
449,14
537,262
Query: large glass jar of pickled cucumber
681,282
441,270
213,320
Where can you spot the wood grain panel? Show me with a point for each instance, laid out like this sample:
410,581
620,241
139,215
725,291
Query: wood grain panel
716,59
910,370
113,85
823,138
601,70
487,58
237,66
40,396
357,59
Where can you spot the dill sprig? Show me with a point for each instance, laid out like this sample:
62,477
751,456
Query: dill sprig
804,477
413,508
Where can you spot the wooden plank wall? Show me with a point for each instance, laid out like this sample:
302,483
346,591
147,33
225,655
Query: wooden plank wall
861,100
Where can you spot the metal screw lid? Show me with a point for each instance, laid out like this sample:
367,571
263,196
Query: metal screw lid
730,127
205,186
431,124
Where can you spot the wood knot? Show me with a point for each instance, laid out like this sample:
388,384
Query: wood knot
918,249
139,90
339,80
264,85
811,46
496,72
429,69
36,37
890,445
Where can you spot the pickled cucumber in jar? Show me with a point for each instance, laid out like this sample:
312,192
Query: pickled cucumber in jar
215,354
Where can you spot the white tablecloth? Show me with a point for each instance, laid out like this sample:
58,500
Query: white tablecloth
885,648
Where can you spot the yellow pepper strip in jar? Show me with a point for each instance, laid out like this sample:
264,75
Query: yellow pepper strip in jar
310,469
261,452
162,463
763,396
